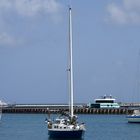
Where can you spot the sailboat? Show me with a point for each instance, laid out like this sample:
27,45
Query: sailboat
66,125
134,117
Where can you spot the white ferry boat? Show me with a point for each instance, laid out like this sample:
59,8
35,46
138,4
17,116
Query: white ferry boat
104,102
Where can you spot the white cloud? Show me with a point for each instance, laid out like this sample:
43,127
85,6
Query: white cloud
8,40
132,4
10,10
30,7
128,12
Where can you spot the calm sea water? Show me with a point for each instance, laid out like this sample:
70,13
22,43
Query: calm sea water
99,127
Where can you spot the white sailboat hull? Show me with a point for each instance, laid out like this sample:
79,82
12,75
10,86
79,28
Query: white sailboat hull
133,119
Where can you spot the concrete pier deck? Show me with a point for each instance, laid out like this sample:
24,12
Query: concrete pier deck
54,109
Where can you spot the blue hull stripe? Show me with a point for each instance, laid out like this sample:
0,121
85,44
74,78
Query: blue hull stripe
133,117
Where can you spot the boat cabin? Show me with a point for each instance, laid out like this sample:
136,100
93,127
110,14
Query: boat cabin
104,102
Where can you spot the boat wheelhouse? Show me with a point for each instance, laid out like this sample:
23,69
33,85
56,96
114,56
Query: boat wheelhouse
104,102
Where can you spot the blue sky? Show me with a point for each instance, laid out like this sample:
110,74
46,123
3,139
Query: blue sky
34,50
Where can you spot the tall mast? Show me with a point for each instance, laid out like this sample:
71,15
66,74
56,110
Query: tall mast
70,64
0,110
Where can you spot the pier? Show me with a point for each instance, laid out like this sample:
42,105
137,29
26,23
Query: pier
56,109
